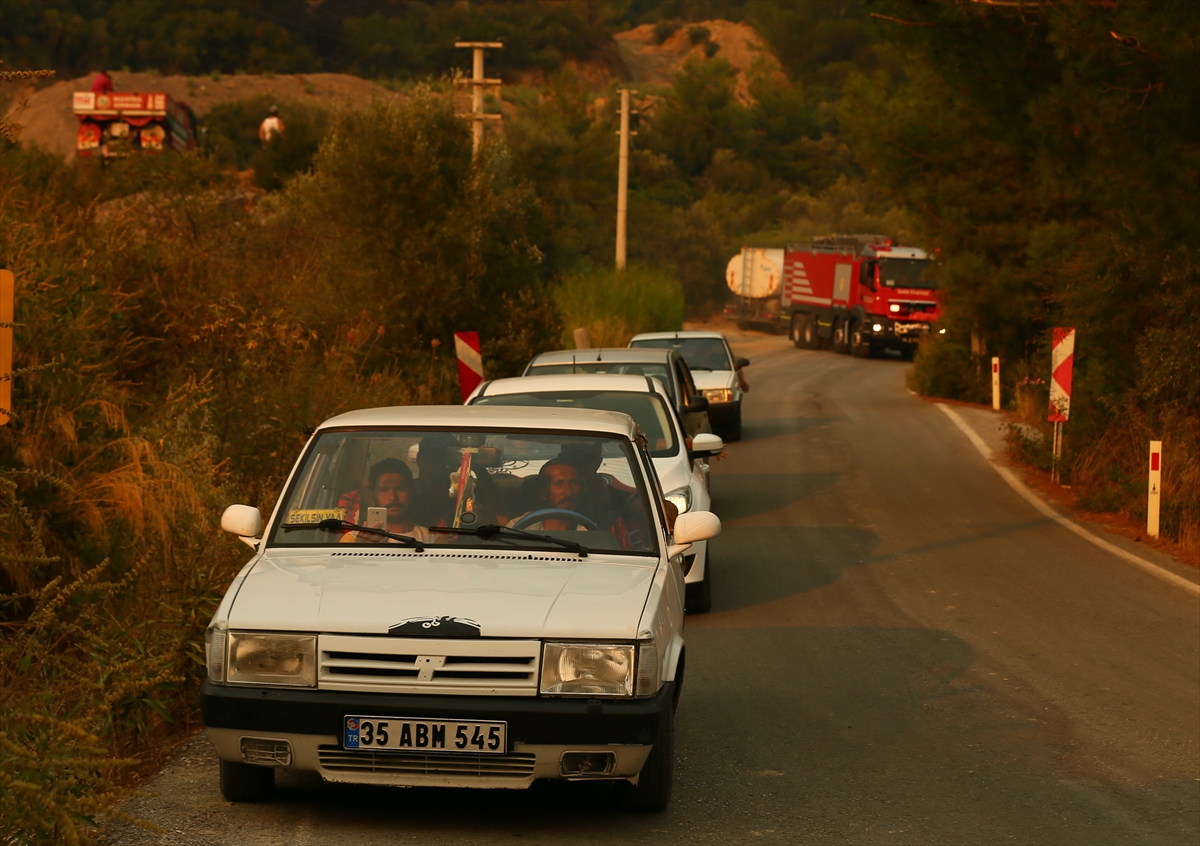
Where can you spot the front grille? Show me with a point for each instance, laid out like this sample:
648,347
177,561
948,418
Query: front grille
512,765
428,665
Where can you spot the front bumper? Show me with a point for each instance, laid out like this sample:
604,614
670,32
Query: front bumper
894,333
723,413
540,731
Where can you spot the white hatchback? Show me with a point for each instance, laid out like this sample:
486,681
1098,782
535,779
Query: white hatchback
423,609
679,461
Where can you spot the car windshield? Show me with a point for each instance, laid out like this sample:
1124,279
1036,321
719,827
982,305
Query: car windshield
648,411
572,486
699,353
656,371
907,273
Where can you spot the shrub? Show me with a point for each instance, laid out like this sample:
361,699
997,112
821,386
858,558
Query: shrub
615,305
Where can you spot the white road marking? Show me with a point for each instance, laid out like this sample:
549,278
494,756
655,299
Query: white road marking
1038,503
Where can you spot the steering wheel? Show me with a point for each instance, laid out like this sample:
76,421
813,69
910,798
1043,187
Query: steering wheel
555,513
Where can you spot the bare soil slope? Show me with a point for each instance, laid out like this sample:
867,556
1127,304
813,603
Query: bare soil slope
47,120
658,64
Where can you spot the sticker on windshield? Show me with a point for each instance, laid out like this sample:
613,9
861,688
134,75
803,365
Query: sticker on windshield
315,515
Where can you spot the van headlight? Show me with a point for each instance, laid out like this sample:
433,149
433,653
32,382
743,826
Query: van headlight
718,394
272,659
587,669
681,498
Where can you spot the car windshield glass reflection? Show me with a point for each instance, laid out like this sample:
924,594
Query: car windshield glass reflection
577,487
620,368
699,353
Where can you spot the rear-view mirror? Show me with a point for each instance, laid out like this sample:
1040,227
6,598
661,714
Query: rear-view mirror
245,521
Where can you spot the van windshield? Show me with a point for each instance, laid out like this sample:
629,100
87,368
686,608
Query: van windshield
580,487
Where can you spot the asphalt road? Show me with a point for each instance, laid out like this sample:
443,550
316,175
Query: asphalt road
901,650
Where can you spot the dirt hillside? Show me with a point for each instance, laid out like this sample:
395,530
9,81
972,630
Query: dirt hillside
658,64
47,120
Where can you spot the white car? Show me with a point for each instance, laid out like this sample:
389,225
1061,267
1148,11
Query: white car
678,460
714,369
424,609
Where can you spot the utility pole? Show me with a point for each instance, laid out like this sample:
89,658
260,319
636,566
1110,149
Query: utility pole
477,83
623,178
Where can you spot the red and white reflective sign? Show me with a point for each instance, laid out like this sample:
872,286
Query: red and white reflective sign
1155,491
470,361
1062,363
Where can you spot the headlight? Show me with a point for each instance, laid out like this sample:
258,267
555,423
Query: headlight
718,394
681,499
272,659
878,327
214,654
894,308
587,669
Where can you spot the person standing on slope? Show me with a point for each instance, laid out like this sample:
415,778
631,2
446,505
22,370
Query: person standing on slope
271,126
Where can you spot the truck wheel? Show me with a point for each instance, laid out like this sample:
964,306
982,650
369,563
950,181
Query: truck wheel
698,598
797,330
860,346
812,340
246,782
840,341
653,790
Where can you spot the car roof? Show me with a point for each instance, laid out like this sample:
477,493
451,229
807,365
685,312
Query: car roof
682,333
575,382
615,354
489,417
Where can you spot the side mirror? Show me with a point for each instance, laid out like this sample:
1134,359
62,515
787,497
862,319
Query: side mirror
245,521
704,445
695,526
741,362
697,403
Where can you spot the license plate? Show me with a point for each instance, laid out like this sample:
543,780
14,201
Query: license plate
425,735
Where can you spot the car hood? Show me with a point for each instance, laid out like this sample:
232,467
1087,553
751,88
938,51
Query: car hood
514,594
673,472
713,378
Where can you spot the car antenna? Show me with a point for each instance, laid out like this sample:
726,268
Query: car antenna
573,368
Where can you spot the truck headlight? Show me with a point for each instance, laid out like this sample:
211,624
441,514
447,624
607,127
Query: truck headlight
681,498
718,394
273,659
587,669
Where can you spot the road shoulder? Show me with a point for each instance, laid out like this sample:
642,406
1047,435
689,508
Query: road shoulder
985,429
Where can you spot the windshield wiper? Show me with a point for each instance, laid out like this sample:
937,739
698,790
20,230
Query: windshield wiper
491,530
333,524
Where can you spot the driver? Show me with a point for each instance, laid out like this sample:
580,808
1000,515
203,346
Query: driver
390,486
560,487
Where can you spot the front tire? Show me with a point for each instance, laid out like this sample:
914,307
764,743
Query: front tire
246,782
799,321
860,346
841,342
653,790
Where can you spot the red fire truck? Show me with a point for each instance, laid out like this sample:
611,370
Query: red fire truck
858,294
119,123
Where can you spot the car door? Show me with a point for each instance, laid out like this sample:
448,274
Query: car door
694,422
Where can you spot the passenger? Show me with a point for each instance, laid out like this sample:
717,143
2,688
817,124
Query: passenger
435,502
390,486
102,83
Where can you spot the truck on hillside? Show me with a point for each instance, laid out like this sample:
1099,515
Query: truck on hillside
857,294
117,123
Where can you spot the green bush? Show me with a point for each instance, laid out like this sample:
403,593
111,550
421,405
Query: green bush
229,133
615,305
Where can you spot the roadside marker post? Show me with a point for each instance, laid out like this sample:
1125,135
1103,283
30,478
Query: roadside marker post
995,383
1155,491
7,289
1062,364
470,361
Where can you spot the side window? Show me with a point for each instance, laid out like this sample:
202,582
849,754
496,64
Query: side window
685,379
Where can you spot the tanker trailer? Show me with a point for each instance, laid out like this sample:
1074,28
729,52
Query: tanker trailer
755,278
